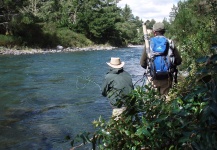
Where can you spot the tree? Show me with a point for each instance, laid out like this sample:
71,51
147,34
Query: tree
8,10
126,13
149,24
96,19
194,26
99,20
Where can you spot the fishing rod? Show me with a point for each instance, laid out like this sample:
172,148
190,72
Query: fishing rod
146,37
147,48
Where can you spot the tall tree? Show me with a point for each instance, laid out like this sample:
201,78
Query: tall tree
127,13
97,18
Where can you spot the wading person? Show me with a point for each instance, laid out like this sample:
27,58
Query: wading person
116,85
160,60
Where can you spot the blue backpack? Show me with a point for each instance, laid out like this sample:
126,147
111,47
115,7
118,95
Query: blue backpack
161,58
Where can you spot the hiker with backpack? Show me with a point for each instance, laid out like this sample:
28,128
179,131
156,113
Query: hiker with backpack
160,60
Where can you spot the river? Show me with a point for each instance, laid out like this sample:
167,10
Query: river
45,97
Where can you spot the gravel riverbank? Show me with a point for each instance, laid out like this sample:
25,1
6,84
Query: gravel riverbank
7,51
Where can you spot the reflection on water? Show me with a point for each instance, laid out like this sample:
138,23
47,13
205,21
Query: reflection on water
45,97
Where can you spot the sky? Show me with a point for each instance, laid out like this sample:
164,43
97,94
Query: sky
149,9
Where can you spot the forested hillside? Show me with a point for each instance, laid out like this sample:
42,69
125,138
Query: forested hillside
70,23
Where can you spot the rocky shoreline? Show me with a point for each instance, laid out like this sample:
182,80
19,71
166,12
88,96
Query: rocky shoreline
7,51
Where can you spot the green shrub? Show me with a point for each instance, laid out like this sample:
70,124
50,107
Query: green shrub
68,38
46,36
65,36
9,41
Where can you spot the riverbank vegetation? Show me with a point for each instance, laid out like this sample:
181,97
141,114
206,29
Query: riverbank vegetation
187,118
74,23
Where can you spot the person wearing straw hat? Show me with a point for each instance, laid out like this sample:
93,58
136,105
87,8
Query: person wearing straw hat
117,84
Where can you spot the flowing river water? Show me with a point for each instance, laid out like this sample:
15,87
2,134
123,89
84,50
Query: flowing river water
45,97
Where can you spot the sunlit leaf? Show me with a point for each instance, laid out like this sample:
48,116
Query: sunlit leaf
161,118
171,147
143,131
127,133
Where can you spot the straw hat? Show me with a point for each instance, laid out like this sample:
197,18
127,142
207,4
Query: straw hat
115,62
